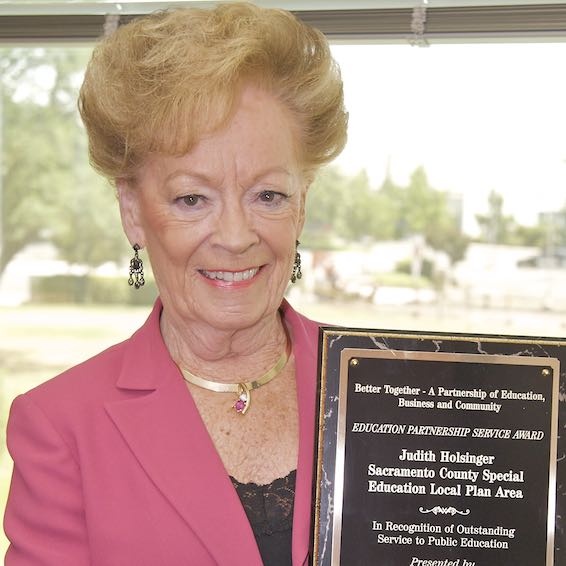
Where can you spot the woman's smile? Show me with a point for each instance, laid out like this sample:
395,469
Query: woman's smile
231,279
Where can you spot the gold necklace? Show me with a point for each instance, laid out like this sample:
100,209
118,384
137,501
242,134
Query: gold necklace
244,388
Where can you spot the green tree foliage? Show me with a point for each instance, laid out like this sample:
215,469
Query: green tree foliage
425,210
530,236
499,228
347,208
48,190
495,226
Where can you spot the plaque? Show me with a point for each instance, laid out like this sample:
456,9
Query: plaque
439,450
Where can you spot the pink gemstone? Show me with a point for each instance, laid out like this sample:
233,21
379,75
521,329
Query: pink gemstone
239,405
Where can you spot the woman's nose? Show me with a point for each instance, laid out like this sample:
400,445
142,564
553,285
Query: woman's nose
234,228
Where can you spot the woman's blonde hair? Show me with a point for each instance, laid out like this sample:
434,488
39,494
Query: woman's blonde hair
160,82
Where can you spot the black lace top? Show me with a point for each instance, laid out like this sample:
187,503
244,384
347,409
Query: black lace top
269,509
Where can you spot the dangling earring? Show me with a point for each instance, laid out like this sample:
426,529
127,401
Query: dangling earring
297,273
136,270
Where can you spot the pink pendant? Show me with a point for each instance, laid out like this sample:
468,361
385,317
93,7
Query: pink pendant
243,402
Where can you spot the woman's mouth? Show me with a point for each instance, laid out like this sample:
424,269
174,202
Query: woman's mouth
230,276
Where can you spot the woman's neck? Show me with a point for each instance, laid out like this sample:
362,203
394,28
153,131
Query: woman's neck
228,356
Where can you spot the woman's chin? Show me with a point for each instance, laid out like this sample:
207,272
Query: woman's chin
237,318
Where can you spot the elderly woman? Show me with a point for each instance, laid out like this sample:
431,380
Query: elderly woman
192,441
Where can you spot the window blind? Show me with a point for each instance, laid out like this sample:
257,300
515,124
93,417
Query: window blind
447,23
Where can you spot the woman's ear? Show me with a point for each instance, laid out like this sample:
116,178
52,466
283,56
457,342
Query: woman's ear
128,198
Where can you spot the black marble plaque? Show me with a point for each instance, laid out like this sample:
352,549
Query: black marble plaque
439,450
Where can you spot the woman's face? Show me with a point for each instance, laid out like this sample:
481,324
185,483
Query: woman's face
220,222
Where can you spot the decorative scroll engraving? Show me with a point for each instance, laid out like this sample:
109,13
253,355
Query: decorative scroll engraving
444,511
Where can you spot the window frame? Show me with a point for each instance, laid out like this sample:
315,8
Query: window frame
507,22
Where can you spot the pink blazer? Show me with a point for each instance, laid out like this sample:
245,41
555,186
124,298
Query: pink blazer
114,467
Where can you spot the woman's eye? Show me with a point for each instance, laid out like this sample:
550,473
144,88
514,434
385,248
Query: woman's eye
191,200
271,196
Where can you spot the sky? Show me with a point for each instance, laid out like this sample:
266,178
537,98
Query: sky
478,117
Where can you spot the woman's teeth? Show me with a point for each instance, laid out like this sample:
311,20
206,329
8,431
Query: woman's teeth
231,275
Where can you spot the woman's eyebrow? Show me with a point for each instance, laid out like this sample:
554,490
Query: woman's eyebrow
201,177
276,170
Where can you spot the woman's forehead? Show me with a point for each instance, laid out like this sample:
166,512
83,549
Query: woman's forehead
259,140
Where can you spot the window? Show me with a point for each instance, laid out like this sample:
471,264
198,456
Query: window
464,190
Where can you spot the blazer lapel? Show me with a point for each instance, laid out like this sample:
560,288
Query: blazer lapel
167,436
305,348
